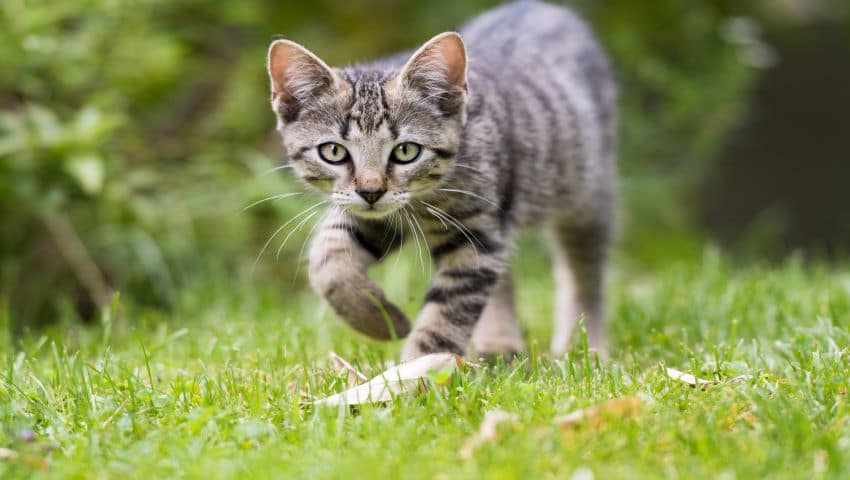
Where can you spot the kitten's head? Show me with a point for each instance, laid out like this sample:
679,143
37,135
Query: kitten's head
371,138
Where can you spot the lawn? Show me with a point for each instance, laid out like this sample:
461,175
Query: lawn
215,388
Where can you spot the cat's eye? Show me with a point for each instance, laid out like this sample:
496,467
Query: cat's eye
333,153
405,152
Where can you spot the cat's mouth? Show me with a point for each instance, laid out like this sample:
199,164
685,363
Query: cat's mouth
373,211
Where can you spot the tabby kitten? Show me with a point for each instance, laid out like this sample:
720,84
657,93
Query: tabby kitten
508,125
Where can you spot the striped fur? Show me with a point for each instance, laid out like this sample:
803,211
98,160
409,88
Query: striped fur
517,127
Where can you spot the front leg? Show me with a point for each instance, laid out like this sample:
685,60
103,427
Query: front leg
340,253
464,281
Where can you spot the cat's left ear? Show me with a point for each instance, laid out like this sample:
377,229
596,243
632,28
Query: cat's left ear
438,70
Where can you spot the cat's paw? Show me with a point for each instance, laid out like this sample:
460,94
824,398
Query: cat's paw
368,312
491,349
492,340
494,357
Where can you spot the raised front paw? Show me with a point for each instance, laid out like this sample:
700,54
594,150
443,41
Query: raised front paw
366,309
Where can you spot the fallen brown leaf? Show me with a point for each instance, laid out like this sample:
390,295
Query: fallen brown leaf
596,416
487,431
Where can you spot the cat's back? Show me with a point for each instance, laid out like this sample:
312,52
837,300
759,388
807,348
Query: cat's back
541,96
526,40
525,27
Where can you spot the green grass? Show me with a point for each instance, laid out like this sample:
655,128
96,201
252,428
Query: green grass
214,389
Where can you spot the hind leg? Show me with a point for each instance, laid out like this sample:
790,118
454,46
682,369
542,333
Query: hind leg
497,332
579,255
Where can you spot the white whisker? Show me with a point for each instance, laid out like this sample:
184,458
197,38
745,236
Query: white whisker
274,169
273,197
389,246
458,224
469,167
291,232
303,245
471,194
441,214
276,232
424,241
416,239
400,227
445,227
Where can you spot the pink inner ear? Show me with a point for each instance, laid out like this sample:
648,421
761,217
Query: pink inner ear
454,56
296,73
439,64
280,59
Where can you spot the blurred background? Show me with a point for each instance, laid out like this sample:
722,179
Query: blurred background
133,134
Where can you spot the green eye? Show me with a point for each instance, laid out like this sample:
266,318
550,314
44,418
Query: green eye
333,153
405,152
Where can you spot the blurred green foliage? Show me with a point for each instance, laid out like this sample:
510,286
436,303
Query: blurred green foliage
683,89
144,128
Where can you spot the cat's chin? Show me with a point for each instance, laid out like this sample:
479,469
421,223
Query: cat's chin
371,213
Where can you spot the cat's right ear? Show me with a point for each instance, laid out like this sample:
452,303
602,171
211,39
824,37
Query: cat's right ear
297,75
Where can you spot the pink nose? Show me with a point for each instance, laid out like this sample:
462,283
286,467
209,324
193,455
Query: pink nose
373,195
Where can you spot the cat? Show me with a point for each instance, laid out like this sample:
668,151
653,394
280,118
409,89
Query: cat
508,125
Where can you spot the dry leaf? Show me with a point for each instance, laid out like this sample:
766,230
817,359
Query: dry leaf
487,431
404,378
688,378
700,382
596,416
340,365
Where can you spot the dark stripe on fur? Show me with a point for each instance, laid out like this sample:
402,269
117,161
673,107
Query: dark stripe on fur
346,125
464,214
485,274
393,125
445,294
341,226
290,112
367,245
507,202
346,122
482,243
443,153
438,343
299,155
463,314
449,246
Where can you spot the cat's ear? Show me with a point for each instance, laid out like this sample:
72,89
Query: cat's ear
438,70
296,75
